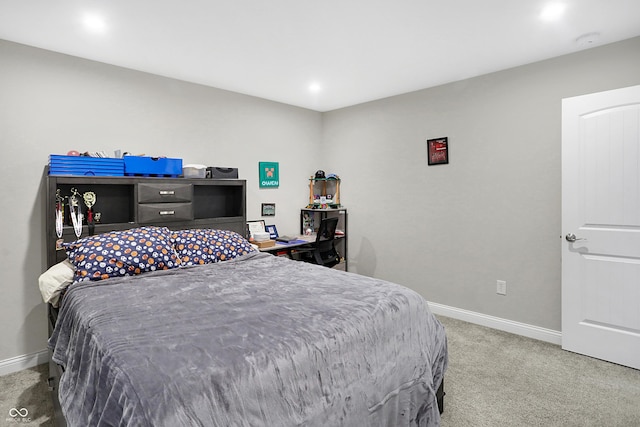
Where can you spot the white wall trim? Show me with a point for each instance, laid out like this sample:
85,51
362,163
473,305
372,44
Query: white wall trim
26,361
530,331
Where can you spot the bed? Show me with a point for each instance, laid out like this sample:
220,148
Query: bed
243,338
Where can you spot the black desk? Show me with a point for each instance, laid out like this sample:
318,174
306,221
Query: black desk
288,247
281,248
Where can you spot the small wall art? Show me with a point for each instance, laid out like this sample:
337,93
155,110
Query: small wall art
269,174
438,151
268,209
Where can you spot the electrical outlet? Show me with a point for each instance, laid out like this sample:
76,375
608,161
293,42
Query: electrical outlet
501,288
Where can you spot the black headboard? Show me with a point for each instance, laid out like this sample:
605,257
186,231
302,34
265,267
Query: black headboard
127,202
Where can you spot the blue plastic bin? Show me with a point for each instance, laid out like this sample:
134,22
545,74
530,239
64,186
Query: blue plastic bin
83,165
152,166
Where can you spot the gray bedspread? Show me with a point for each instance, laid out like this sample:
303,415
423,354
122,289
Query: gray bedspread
256,341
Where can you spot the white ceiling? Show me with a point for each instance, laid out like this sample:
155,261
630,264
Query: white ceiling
354,50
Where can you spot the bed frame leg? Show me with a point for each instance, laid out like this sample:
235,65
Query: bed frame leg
440,397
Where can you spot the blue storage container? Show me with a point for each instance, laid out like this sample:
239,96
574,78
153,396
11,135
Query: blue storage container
152,166
83,165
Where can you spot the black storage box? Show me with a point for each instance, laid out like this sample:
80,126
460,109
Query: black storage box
222,173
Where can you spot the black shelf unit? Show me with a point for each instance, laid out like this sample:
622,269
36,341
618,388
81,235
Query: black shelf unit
127,202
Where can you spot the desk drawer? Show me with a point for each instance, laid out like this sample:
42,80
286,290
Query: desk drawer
165,193
164,212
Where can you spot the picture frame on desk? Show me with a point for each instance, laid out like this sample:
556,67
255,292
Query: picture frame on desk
255,226
272,230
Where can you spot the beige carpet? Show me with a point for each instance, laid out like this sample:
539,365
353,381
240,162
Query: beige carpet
26,393
494,379
499,379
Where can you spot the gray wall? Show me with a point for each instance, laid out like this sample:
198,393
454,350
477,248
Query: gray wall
450,231
447,231
51,103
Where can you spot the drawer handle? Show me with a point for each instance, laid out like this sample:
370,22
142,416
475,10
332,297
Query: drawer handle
167,212
167,192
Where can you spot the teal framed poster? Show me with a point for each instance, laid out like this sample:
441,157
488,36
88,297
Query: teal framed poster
269,174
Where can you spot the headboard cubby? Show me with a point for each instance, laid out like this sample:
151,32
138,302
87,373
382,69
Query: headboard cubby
128,202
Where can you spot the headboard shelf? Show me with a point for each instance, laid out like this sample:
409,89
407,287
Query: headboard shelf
128,202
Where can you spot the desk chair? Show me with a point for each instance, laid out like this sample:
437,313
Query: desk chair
323,251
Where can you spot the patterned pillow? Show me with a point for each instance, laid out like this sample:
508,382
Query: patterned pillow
203,246
122,253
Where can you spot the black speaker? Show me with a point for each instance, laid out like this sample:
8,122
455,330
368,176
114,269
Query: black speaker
222,173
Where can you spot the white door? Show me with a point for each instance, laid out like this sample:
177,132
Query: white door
601,225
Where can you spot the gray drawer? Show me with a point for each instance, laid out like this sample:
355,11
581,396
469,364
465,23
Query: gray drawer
164,212
165,193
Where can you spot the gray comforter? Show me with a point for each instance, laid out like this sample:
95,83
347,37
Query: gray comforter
257,341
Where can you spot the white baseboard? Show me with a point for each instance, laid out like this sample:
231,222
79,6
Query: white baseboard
26,361
530,331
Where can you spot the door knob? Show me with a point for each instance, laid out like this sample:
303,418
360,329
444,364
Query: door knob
572,238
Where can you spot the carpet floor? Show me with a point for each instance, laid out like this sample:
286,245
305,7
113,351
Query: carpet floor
499,379
26,391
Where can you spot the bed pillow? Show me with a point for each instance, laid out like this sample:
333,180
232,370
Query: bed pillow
122,253
203,246
55,280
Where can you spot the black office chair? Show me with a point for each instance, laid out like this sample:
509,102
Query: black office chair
323,251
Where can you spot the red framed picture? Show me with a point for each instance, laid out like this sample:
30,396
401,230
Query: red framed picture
438,151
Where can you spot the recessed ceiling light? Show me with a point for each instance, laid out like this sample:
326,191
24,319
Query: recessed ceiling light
315,87
94,22
552,11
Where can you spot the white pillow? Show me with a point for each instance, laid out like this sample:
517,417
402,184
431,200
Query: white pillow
53,281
